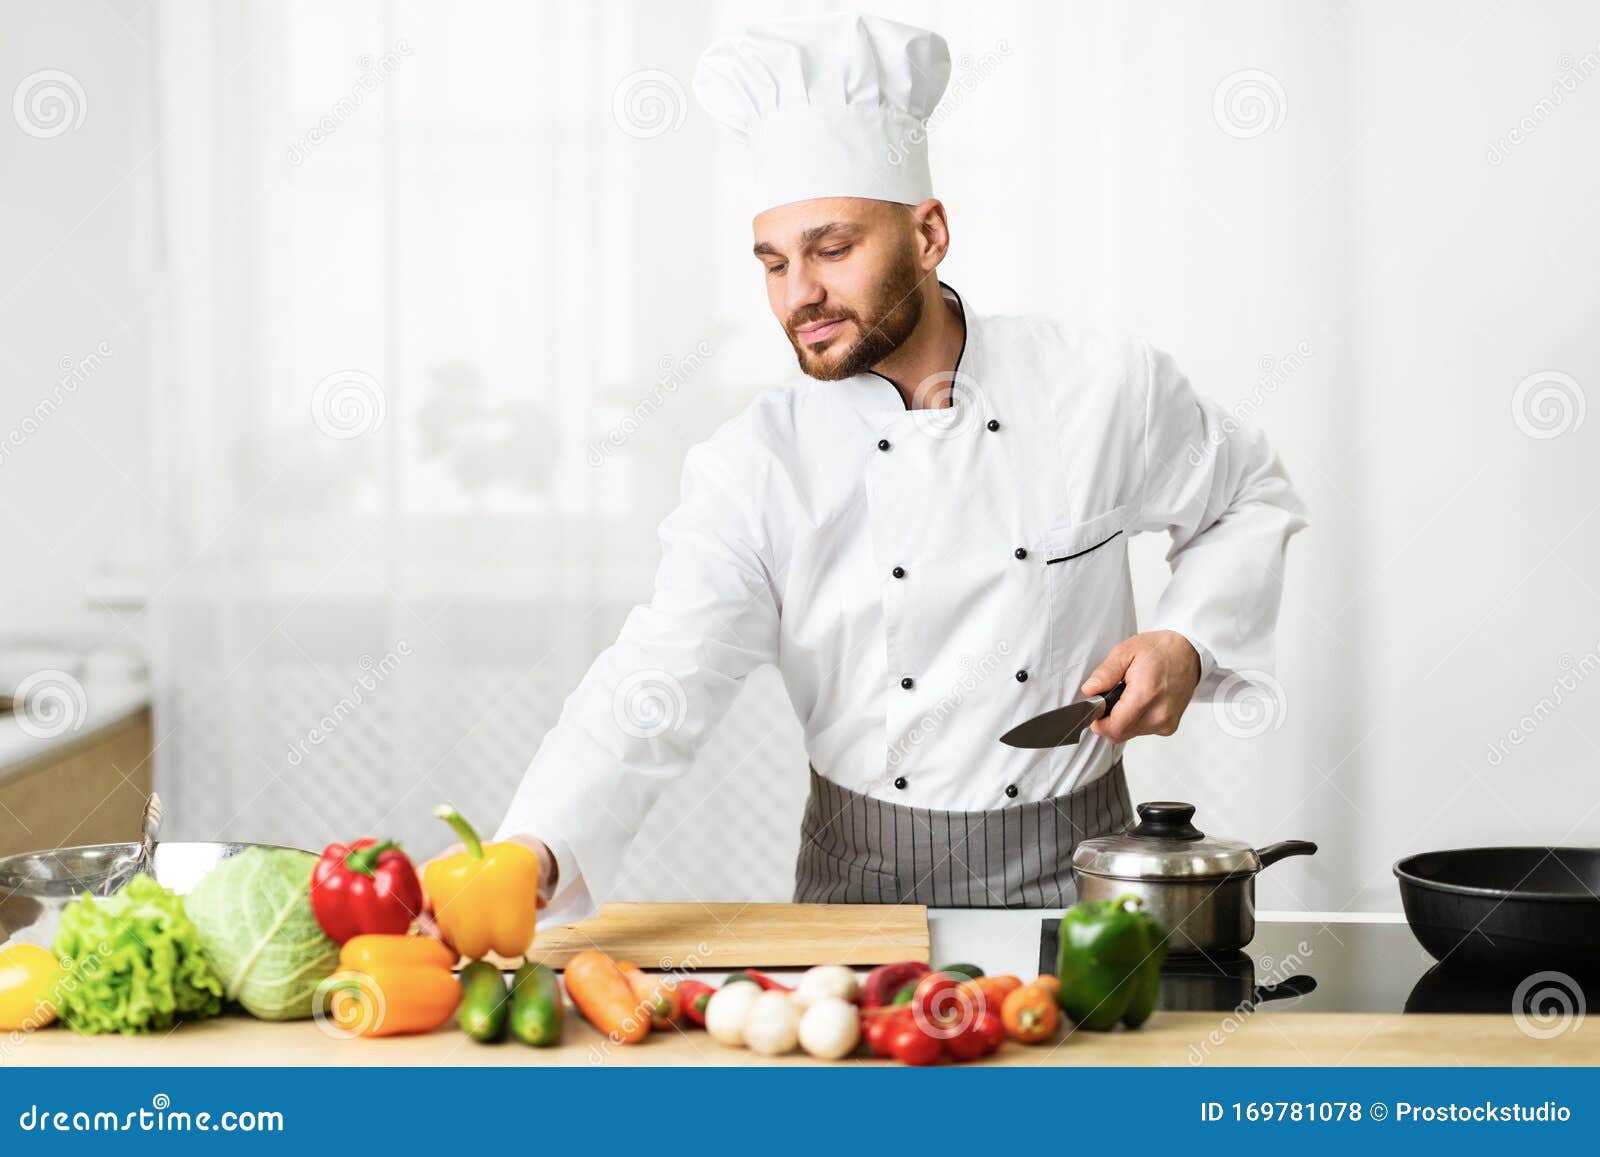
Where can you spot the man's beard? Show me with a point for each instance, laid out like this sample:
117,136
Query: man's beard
891,319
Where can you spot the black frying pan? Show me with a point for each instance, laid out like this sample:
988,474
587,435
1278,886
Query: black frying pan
1506,910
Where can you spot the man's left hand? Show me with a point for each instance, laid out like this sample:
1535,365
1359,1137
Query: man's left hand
1161,669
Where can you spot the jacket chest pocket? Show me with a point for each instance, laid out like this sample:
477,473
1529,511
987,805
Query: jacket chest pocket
1086,582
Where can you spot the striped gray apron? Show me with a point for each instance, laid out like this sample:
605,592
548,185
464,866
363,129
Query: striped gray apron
858,850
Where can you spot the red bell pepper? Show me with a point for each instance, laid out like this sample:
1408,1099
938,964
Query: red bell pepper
364,887
887,979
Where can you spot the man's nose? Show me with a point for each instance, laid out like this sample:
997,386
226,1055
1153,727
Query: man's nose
802,289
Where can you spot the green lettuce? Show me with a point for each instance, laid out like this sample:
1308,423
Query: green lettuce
132,962
256,924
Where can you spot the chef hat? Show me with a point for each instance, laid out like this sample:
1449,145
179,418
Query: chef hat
831,106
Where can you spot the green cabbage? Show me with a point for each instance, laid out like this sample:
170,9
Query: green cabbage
255,921
132,962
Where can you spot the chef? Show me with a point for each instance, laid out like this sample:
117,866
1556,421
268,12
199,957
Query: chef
927,532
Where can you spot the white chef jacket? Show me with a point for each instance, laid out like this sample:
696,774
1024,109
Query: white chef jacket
923,579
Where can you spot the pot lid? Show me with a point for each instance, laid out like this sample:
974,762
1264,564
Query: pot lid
1164,845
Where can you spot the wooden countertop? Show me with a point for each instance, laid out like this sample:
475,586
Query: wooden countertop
1170,1039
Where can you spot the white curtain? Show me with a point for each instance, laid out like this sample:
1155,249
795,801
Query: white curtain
453,288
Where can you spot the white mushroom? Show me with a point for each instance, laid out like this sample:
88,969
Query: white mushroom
830,1028
727,1011
824,981
772,1026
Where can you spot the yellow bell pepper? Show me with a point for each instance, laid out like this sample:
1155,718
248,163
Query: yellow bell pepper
390,985
486,898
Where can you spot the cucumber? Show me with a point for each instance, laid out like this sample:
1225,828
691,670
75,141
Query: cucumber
970,971
483,1002
536,1010
736,976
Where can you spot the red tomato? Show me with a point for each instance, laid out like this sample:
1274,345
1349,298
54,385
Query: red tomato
968,1044
940,999
909,1045
991,1028
879,1027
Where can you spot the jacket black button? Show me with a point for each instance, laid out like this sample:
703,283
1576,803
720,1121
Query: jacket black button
1022,676
1021,552
883,443
1011,791
899,572
900,782
907,682
993,425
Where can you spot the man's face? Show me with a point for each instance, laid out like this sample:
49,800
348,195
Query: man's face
842,280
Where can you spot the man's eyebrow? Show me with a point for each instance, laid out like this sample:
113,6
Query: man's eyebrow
810,236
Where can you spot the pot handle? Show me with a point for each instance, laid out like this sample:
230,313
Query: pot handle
1297,985
1272,853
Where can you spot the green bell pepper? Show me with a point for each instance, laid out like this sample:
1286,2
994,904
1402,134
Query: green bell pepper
1110,963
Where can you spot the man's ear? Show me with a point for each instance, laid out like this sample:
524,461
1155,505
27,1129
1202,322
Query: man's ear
930,232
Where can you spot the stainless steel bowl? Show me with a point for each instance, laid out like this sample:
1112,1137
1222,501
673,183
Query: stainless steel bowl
36,886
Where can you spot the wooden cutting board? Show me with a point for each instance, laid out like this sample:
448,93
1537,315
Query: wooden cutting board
673,936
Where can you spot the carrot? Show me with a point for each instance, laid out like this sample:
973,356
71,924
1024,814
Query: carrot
1049,982
604,994
657,997
1029,1014
992,990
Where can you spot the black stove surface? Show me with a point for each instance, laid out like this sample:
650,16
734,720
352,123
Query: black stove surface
1312,966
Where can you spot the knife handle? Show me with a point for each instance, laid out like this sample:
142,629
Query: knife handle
1111,698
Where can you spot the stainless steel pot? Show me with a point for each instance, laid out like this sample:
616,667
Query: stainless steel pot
1201,888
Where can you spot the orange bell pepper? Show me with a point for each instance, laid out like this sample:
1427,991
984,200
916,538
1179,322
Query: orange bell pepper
486,898
392,985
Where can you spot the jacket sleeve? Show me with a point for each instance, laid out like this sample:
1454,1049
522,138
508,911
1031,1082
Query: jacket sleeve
1218,489
635,721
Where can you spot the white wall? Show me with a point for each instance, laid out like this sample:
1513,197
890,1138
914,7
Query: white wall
77,307
1361,279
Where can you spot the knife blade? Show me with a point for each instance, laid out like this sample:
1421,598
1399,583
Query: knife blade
1062,726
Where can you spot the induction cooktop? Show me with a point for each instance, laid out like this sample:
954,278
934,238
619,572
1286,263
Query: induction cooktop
1312,966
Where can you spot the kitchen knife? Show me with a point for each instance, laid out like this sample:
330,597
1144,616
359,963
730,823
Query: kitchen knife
1063,725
